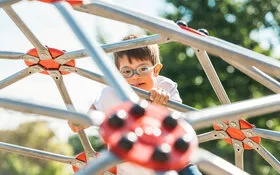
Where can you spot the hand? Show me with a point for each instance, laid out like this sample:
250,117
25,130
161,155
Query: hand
75,128
159,96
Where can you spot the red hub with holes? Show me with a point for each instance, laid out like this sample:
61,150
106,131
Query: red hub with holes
149,136
49,64
238,134
82,157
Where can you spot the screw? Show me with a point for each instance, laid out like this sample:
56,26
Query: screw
127,141
161,153
249,134
204,31
233,124
170,122
117,119
236,144
138,110
182,144
181,23
250,144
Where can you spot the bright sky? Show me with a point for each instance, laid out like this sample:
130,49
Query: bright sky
50,28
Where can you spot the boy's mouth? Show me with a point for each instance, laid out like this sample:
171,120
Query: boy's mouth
137,84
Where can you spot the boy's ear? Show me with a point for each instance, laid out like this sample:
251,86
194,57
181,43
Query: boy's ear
157,69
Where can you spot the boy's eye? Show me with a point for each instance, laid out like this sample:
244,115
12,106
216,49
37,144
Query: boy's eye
126,72
143,69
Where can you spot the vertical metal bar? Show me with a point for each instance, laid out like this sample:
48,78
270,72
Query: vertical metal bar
41,50
238,153
212,75
110,71
257,75
19,75
57,77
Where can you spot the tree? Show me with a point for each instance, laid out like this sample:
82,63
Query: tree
232,21
34,135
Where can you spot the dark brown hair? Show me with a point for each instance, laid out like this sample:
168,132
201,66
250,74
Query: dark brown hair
150,53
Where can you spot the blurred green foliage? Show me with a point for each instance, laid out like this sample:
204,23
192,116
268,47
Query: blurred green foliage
232,21
34,135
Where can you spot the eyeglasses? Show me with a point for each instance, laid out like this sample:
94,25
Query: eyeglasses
140,70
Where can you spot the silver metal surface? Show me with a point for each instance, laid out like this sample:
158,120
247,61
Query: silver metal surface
20,75
111,73
212,135
18,56
58,78
171,30
249,108
115,47
74,117
4,3
267,134
104,161
264,153
29,152
41,50
211,164
212,75
257,75
238,153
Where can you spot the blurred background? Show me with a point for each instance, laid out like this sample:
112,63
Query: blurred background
251,24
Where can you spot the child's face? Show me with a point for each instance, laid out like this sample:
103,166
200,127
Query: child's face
145,82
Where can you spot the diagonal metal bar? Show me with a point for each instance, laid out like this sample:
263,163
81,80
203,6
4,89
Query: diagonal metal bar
57,77
29,152
4,3
74,117
267,134
41,50
238,153
264,153
98,55
143,94
212,164
165,27
210,72
115,47
257,75
249,108
212,135
20,75
103,162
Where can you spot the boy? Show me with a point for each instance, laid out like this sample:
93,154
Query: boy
140,67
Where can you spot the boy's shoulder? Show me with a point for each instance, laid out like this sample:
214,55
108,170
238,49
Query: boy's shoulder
163,81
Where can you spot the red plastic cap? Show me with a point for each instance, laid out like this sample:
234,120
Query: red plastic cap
71,2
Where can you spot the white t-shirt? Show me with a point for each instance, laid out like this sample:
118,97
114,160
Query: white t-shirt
108,99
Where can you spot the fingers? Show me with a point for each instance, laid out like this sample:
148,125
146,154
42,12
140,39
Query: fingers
159,96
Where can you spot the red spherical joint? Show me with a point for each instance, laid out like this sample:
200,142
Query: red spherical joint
82,157
49,64
149,135
237,134
71,2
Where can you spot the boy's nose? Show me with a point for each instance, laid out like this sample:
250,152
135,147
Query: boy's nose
134,76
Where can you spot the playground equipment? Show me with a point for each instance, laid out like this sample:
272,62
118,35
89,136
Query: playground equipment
163,154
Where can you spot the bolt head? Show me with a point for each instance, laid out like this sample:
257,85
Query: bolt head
138,110
181,23
182,144
127,141
117,120
170,122
161,153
